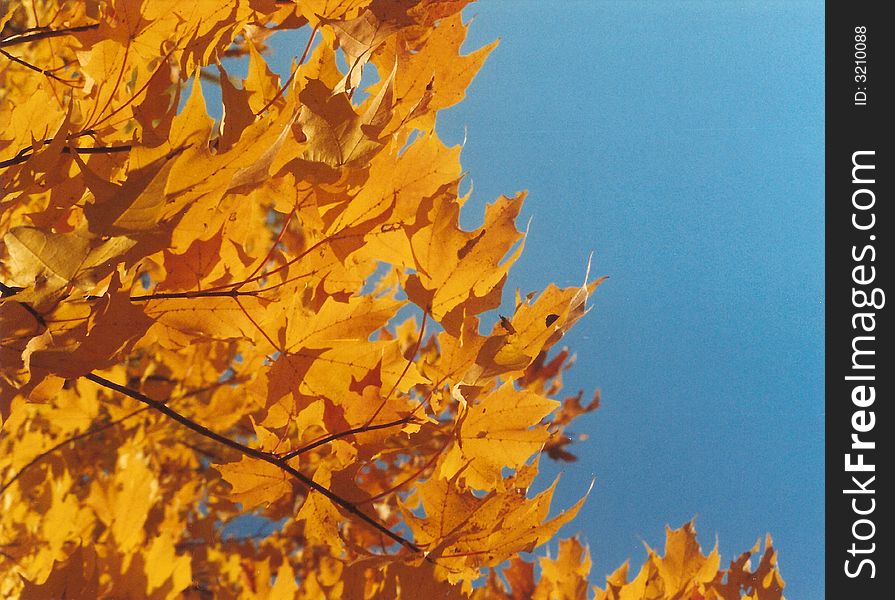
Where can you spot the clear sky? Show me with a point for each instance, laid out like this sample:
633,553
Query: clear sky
683,144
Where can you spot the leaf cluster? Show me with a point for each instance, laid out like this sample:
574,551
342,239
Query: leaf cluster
273,313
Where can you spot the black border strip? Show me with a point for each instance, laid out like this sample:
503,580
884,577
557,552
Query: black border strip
859,365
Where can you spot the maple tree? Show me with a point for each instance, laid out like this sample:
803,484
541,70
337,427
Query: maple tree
274,313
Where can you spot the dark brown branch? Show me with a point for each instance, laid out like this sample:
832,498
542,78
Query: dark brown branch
99,149
218,291
6,291
280,463
195,294
37,316
25,153
171,295
44,33
48,72
29,149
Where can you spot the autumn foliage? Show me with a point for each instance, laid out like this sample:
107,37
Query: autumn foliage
274,313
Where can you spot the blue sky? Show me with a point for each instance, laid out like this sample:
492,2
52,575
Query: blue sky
681,143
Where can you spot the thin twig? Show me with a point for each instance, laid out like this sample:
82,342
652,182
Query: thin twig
136,94
282,267
48,72
410,360
44,33
273,247
108,103
26,153
33,312
335,436
410,478
8,291
285,86
194,294
257,326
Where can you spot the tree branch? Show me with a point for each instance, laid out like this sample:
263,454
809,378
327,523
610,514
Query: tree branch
285,86
280,463
341,434
416,348
42,34
7,291
273,247
409,478
195,294
25,153
48,72
136,94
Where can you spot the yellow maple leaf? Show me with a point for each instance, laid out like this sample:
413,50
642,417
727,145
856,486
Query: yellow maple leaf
254,482
441,285
502,431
